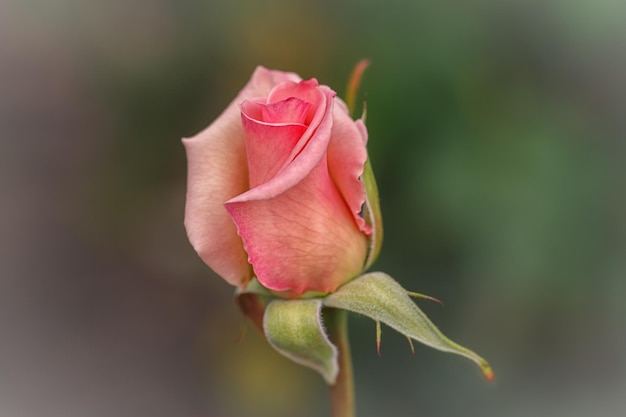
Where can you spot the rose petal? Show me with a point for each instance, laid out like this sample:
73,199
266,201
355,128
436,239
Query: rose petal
268,145
303,239
296,227
290,110
216,172
307,153
347,154
305,90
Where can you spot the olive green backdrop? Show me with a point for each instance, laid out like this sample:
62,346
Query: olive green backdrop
497,134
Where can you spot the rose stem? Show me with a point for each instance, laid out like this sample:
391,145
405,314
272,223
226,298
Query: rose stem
342,393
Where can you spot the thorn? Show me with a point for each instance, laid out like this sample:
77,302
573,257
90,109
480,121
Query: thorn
425,297
379,333
411,344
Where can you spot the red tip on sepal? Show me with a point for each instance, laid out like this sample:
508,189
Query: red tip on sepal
354,82
486,370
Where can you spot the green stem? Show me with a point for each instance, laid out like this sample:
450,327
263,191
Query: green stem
342,393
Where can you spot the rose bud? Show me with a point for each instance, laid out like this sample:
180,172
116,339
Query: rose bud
276,190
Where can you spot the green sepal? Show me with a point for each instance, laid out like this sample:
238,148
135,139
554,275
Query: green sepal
379,297
371,208
295,329
372,214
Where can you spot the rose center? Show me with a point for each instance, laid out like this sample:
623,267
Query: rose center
292,110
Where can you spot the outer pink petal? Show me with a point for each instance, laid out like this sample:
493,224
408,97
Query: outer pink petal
347,154
268,147
297,229
217,171
290,110
303,239
305,156
305,90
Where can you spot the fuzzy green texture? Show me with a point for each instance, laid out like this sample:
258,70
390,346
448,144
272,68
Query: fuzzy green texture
295,329
379,297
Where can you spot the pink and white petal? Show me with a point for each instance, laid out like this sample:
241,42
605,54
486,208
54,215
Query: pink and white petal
347,154
304,157
217,172
215,159
264,80
342,106
303,239
289,110
305,90
268,147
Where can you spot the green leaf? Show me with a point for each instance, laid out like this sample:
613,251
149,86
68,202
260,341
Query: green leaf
379,297
294,328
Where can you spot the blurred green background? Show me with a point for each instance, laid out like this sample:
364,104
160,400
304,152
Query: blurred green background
497,134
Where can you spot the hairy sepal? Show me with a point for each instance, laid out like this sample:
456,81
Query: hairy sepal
295,329
379,297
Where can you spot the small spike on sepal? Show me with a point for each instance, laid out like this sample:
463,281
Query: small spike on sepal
425,297
364,112
379,333
411,344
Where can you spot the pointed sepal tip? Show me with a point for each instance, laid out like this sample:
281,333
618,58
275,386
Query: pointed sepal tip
379,297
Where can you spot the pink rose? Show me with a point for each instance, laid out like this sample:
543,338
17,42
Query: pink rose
275,189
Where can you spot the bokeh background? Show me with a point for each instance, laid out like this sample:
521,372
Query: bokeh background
498,137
